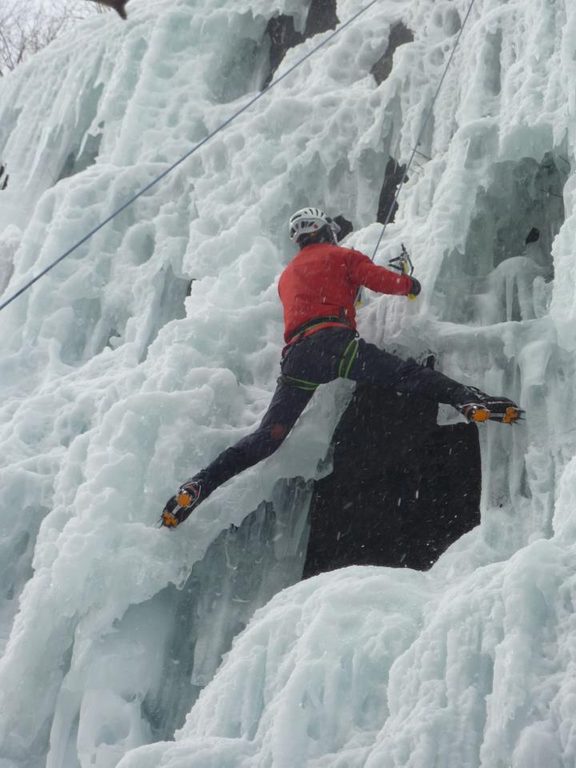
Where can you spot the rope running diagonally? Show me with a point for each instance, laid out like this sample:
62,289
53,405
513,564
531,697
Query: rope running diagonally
421,132
184,157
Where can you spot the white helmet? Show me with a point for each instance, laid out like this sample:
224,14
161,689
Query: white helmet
307,221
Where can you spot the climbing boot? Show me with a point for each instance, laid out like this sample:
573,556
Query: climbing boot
180,506
481,407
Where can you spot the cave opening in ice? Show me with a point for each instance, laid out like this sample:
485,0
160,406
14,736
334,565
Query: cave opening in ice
505,272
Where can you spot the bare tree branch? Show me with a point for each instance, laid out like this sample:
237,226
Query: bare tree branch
25,28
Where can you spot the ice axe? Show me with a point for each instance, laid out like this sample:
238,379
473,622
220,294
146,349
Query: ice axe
403,264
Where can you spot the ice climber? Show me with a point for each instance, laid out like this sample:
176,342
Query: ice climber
318,291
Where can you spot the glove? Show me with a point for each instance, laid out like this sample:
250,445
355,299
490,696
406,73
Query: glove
415,288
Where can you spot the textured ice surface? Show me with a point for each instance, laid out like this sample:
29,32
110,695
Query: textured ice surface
156,345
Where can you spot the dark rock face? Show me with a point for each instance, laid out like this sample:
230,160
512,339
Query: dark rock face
283,35
403,488
321,17
387,205
399,35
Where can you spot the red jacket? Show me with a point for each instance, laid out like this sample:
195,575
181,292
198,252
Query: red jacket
322,281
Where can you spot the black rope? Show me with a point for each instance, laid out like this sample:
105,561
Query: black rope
184,157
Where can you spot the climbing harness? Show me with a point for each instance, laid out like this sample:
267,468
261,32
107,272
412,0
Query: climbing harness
344,367
348,358
292,381
188,154
299,333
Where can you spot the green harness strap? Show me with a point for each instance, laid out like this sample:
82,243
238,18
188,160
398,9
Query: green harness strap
346,362
308,386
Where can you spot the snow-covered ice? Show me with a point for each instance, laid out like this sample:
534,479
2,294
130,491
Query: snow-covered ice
155,345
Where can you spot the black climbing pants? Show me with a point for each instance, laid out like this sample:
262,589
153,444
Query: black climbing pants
317,359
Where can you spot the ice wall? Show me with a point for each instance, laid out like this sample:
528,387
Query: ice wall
155,345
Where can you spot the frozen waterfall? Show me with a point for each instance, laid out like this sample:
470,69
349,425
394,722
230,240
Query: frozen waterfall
155,345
